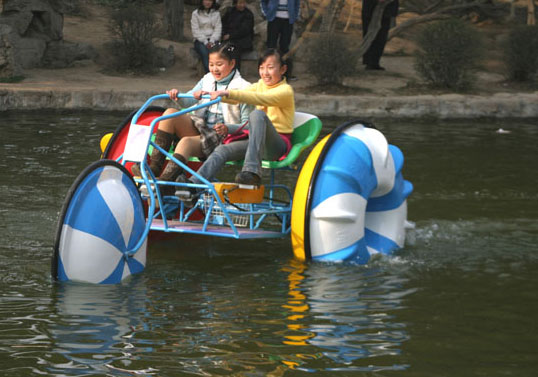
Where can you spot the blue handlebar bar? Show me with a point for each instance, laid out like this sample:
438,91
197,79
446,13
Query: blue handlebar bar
183,111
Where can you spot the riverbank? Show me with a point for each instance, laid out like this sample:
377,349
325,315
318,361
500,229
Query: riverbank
447,106
395,92
369,95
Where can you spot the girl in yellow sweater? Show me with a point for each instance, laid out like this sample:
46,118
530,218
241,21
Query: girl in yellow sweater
270,125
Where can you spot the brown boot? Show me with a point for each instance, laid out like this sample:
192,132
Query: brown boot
164,140
170,173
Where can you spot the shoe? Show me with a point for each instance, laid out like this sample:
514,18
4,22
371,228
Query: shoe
135,170
374,68
185,193
248,178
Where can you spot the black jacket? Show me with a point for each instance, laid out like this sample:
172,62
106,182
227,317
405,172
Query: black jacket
240,26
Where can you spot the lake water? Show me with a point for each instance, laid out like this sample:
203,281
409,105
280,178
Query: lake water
461,299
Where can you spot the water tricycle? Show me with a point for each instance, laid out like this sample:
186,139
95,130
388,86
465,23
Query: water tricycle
349,200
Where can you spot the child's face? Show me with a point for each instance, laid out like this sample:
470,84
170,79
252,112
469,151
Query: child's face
219,66
271,71
207,3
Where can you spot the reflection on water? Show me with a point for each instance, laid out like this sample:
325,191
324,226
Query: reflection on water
346,312
95,324
460,299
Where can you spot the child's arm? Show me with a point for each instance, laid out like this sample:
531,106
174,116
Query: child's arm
279,96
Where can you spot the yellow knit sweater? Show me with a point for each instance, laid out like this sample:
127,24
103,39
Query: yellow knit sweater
277,101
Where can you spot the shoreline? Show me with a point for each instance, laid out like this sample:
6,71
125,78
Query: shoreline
445,106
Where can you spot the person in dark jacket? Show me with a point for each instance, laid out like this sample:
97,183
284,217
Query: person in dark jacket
372,56
238,28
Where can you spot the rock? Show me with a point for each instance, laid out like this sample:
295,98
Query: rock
33,18
29,51
26,28
9,66
62,54
164,57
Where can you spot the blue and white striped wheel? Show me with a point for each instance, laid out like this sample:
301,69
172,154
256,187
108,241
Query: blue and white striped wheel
352,197
101,221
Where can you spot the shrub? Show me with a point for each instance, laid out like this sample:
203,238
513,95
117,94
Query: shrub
521,53
448,53
135,27
330,59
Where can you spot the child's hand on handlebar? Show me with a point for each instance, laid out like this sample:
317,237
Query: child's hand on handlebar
172,93
218,93
198,94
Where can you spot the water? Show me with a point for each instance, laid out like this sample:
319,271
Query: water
459,300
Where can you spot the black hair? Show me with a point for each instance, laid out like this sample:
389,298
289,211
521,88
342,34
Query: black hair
271,52
225,49
213,6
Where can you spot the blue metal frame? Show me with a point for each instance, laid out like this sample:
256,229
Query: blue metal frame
257,212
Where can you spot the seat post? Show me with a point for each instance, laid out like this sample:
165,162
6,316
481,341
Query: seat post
271,185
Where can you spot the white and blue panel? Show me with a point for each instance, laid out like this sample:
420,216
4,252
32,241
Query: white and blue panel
103,220
359,200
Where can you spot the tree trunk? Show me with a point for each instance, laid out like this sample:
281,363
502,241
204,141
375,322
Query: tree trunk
374,27
307,29
173,19
329,16
531,18
512,10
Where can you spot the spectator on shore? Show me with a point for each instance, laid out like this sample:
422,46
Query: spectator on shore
281,15
238,28
372,56
206,29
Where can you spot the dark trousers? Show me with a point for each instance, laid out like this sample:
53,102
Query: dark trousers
203,51
280,31
372,56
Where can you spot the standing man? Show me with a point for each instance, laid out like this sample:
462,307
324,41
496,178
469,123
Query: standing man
281,15
372,56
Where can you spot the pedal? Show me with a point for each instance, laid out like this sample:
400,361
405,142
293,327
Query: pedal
239,193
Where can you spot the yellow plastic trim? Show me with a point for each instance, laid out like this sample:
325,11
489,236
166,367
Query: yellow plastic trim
104,142
239,195
299,200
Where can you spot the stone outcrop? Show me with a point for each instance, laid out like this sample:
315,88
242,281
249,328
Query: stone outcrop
31,36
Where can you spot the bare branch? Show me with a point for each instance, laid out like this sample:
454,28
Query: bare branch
438,15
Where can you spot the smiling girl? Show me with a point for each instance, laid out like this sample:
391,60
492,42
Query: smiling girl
202,131
270,125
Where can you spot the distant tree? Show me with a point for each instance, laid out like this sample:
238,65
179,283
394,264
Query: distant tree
173,19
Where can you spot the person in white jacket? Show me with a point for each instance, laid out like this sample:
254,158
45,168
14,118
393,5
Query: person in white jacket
206,29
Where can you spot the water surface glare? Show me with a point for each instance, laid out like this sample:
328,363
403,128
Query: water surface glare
459,300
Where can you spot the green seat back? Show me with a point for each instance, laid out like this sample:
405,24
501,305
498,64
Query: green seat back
306,129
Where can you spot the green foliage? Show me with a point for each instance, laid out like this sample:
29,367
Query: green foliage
330,58
448,53
11,79
135,27
521,53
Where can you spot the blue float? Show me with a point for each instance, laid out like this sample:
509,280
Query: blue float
101,222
